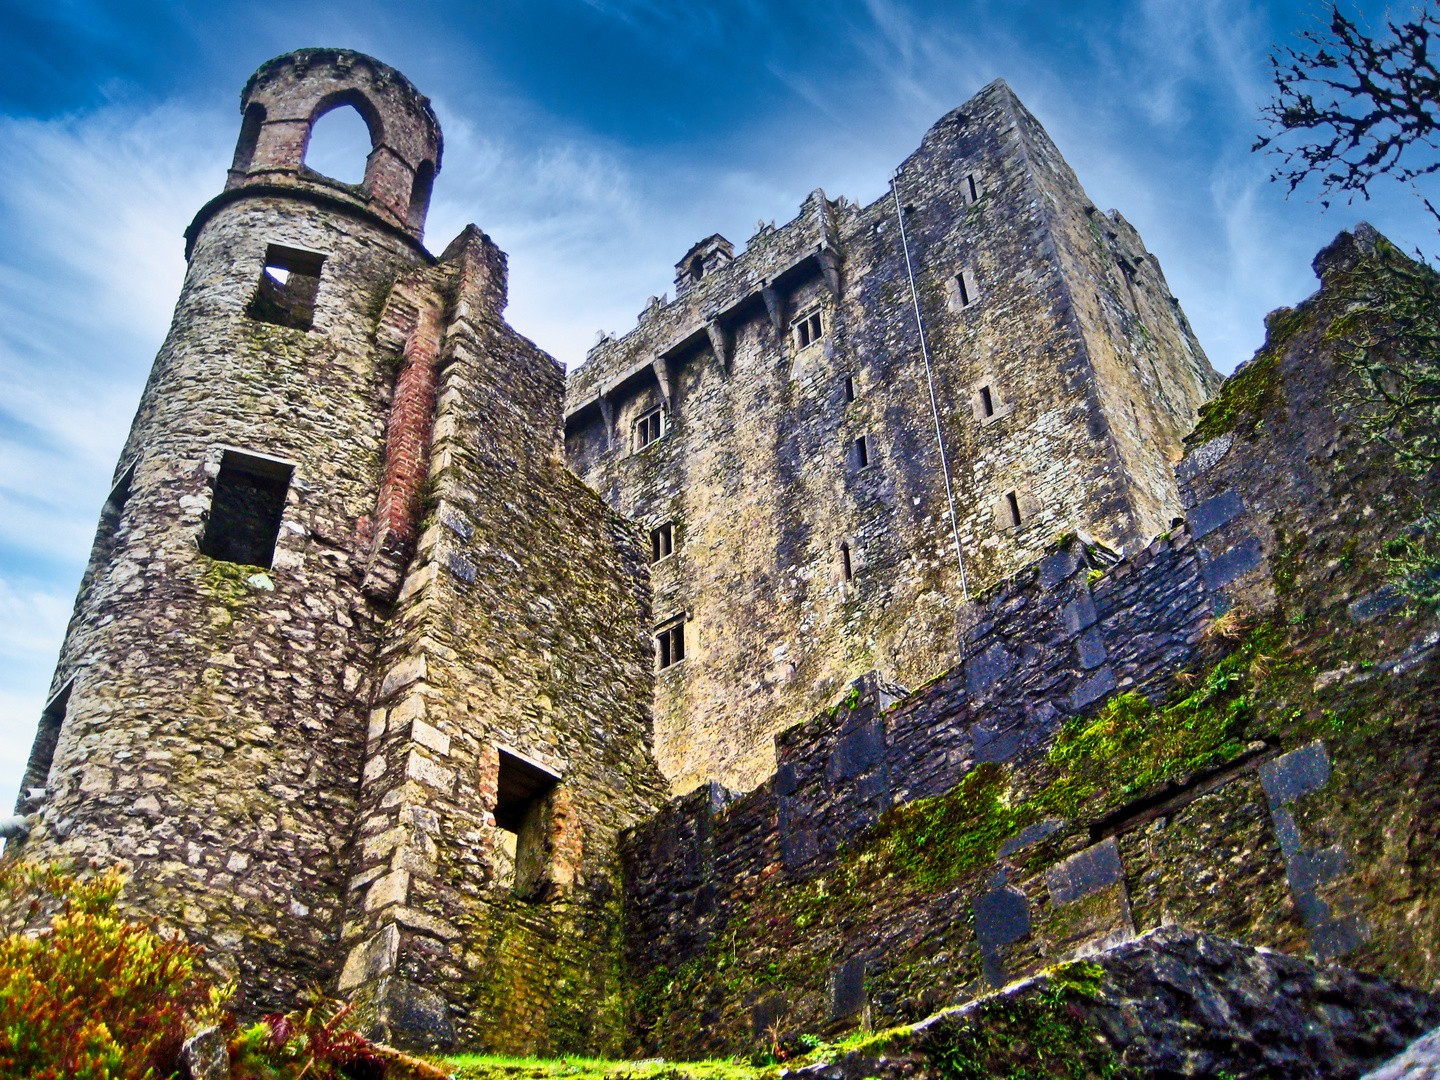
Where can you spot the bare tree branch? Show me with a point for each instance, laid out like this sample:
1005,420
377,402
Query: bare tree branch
1371,106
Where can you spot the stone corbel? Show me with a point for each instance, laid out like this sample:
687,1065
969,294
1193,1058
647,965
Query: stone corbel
720,342
829,260
775,305
607,415
661,367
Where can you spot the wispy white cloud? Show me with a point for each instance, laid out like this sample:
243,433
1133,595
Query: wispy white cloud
92,207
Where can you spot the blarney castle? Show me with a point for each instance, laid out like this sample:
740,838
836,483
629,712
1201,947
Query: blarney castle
597,713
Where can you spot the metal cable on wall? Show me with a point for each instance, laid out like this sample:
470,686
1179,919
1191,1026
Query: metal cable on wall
930,382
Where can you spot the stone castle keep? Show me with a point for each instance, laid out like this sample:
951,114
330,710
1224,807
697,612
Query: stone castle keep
518,707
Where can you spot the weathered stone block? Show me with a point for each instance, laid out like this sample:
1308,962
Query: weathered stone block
372,959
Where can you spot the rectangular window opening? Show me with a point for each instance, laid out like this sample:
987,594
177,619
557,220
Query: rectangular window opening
119,494
1012,504
808,329
113,512
845,568
861,452
987,403
971,189
849,388
662,541
649,428
42,753
964,287
246,508
289,284
670,644
522,803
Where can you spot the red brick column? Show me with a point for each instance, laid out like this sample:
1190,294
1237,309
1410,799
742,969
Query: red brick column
407,456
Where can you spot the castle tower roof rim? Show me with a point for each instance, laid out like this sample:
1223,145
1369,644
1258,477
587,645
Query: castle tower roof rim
303,194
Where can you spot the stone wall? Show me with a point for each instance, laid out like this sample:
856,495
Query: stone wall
1109,757
1059,379
1170,1003
519,630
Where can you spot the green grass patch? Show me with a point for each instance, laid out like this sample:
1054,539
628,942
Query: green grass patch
494,1067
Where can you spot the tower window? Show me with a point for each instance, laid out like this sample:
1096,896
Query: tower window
246,508
860,452
987,403
522,805
662,541
289,283
670,644
971,189
42,754
808,329
113,512
845,568
965,290
849,388
1012,507
649,428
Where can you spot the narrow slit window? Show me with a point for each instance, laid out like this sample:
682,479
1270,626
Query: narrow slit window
662,541
1012,507
845,568
670,644
849,388
119,495
246,509
965,286
522,807
860,452
289,284
987,403
42,754
649,428
112,515
971,189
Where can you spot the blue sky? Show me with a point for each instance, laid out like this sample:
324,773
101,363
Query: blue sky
595,140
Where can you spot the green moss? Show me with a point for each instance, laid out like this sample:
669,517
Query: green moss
934,841
228,582
1248,394
1043,1034
1131,746
1082,976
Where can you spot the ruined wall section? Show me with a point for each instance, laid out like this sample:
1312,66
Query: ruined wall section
520,633
284,98
1269,776
212,731
711,878
1148,373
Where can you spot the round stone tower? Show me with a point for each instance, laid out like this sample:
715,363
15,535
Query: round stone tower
206,722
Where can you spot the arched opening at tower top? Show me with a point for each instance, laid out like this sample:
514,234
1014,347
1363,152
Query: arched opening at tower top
340,144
